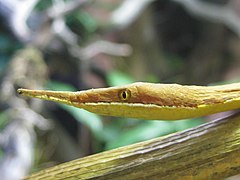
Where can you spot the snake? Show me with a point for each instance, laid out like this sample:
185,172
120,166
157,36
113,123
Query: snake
149,101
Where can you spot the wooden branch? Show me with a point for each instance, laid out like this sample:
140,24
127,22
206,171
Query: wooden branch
209,151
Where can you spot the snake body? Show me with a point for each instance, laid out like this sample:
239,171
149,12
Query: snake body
148,100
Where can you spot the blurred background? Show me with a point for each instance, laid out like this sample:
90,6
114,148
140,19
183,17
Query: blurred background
81,44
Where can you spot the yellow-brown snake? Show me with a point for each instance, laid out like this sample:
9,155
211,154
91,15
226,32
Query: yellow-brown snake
149,100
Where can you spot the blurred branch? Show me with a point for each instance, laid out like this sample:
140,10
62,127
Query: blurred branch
16,14
225,14
17,140
209,151
101,46
17,137
57,13
60,29
128,12
64,33
62,9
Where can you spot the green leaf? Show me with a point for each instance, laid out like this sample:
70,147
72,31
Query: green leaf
144,131
59,86
187,123
88,22
3,120
92,121
113,129
151,129
116,78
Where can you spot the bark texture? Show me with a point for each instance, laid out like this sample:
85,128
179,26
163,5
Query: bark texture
209,151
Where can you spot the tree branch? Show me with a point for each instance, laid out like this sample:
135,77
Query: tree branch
209,151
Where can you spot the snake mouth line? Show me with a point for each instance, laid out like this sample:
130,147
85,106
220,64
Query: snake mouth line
133,105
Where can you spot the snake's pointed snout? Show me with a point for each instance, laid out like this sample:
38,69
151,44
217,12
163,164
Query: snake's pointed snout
20,91
57,96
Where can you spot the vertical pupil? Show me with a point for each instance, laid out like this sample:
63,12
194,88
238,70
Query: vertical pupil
124,95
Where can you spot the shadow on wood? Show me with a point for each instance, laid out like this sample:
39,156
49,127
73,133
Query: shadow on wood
209,151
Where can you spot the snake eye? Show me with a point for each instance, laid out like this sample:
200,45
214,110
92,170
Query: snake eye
124,94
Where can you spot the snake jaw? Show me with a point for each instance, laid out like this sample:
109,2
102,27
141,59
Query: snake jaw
148,101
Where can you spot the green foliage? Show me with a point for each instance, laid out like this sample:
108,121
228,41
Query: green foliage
145,130
87,21
43,5
3,120
7,47
116,78
92,121
81,23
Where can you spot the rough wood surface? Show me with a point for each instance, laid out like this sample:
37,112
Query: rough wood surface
209,151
